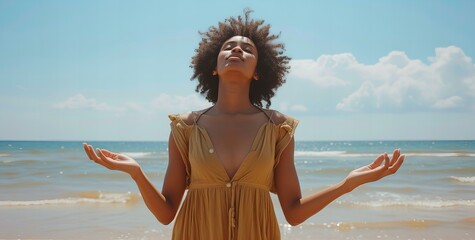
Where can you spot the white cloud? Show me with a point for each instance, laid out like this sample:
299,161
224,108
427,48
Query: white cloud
298,108
324,71
164,102
357,99
178,104
79,101
450,102
395,81
285,106
136,107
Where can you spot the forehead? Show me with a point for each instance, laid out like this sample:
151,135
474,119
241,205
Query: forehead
240,39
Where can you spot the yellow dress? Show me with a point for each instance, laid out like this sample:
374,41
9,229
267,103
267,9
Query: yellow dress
218,208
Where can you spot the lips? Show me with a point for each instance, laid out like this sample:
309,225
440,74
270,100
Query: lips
235,57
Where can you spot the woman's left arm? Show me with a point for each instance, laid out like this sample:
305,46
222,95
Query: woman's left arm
297,209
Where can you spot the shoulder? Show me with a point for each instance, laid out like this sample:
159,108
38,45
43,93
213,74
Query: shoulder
187,118
277,117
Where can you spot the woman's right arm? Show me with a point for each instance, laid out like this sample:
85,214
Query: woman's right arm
164,205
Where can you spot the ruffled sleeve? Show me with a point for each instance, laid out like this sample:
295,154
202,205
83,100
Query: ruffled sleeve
284,133
181,134
284,136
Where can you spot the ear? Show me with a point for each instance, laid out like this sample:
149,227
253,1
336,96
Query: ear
214,72
256,77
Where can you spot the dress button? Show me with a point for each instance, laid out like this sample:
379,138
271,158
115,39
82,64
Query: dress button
211,150
228,184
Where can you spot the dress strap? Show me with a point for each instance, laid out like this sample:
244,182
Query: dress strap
197,115
269,117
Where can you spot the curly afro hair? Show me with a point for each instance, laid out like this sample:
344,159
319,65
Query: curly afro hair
272,65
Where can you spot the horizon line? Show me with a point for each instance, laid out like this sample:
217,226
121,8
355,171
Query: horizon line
318,140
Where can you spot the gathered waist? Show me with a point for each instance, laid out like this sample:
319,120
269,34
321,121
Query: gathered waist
229,185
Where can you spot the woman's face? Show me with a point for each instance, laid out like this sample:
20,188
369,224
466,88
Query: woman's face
238,55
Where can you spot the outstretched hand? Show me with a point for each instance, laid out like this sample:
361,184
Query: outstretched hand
111,160
375,170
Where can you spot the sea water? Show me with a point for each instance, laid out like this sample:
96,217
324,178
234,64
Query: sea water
52,190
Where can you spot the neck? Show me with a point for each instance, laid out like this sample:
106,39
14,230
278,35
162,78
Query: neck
233,98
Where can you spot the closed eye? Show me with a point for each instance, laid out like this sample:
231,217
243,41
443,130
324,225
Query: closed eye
247,48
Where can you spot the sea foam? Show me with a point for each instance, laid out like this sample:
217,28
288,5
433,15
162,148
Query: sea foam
414,203
368,154
463,179
137,154
84,198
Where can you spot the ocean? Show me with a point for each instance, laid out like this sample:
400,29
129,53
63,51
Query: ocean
51,190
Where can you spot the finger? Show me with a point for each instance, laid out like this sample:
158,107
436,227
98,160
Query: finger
395,157
106,162
108,153
94,156
84,145
377,162
383,168
88,151
386,161
393,169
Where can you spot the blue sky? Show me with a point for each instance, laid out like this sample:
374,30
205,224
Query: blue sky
114,70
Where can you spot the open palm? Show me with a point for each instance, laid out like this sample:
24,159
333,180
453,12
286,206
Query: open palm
111,160
375,170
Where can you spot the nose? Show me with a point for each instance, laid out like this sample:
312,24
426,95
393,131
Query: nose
237,48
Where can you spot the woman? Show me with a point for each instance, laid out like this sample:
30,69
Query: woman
230,156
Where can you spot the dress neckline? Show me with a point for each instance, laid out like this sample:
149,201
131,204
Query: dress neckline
211,145
246,156
198,115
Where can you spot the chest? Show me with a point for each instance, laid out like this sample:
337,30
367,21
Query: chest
232,141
